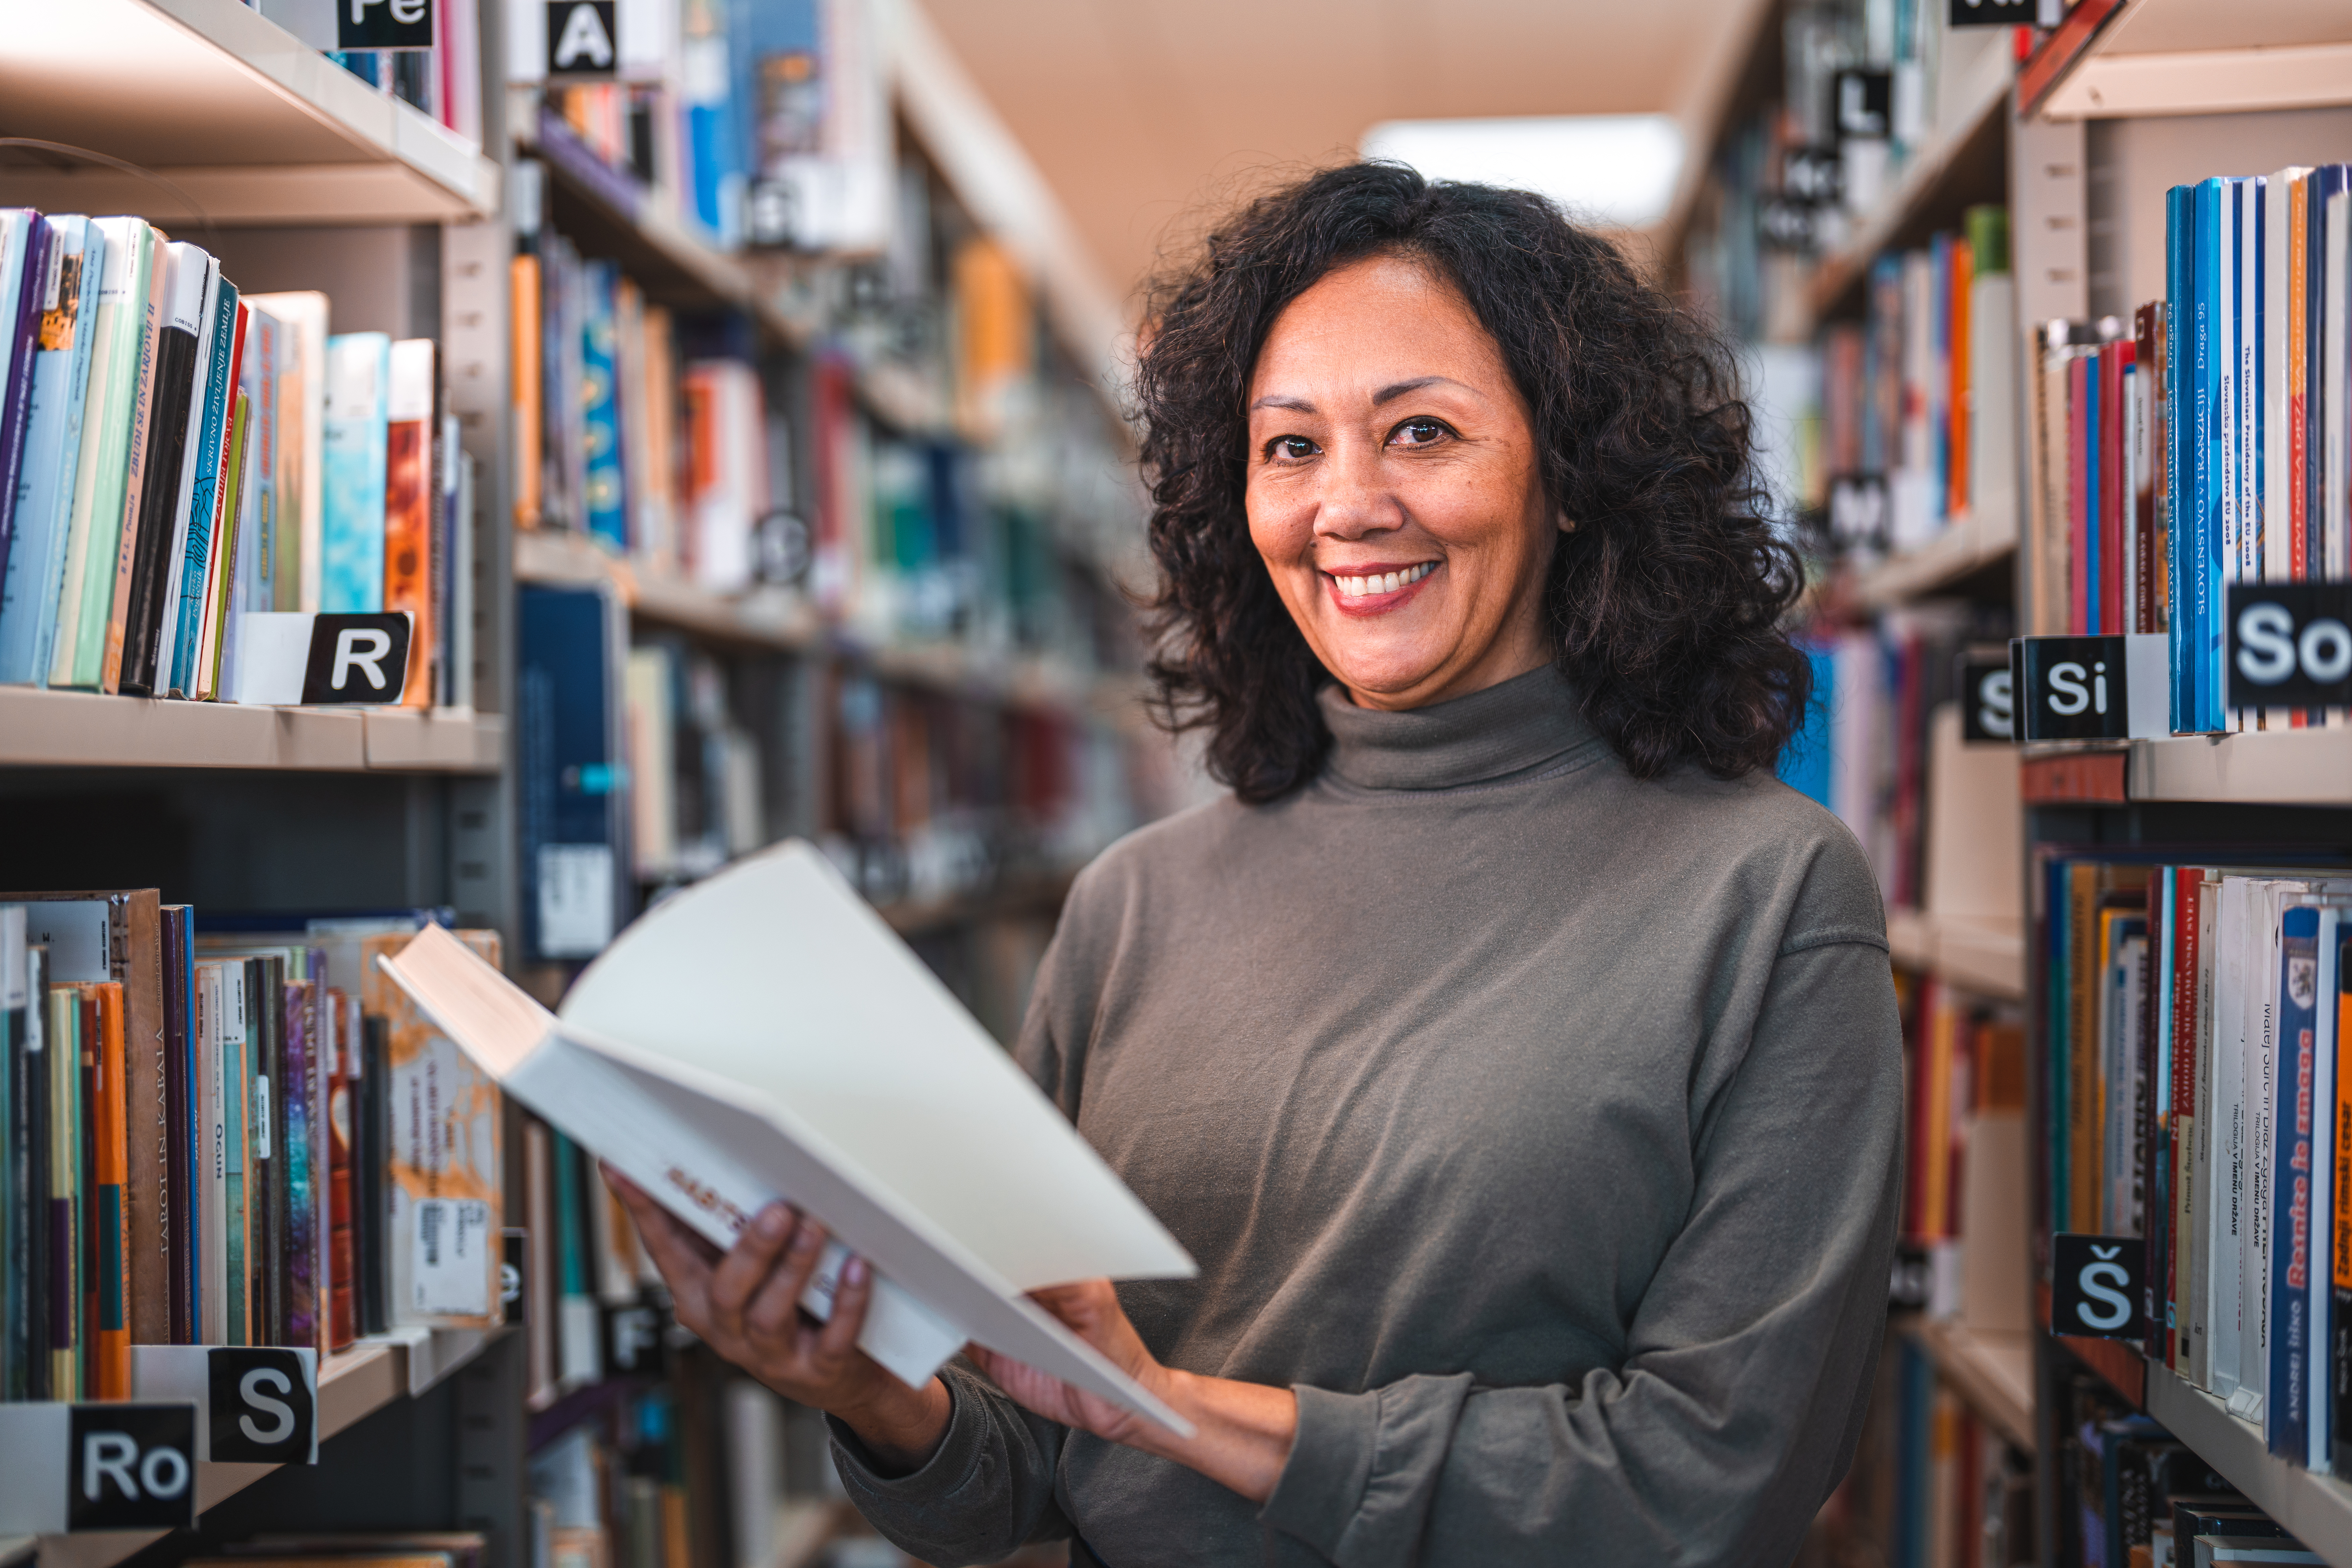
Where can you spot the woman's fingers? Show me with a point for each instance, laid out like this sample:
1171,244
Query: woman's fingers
837,1341
774,1311
683,1258
746,1267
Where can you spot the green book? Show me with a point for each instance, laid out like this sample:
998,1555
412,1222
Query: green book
64,1049
102,469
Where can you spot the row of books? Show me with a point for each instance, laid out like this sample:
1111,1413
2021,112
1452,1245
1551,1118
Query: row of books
440,77
2197,1015
1935,1486
2205,446
173,455
297,1160
2131,1493
1964,1206
1918,401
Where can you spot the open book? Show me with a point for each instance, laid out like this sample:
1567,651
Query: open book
765,1035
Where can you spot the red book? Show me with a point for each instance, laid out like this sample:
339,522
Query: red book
2114,423
408,508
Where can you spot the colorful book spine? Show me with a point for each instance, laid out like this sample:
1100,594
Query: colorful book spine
95,529
359,372
64,1187
603,501
229,331
408,530
29,584
26,241
2286,1411
110,1364
138,471
190,286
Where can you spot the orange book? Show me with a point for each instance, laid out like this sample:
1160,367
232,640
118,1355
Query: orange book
409,493
523,313
108,1313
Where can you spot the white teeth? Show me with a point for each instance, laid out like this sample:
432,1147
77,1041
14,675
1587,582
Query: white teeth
1361,588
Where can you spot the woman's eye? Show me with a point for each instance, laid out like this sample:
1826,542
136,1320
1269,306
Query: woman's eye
1289,449
1419,433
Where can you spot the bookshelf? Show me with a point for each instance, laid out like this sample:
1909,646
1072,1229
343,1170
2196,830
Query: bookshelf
1993,1371
2317,1509
80,729
2113,58
253,124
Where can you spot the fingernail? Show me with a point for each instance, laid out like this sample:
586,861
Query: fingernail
773,1222
853,1272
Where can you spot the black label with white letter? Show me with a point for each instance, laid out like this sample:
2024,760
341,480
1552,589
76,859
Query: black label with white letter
262,1411
2290,645
1987,710
357,659
633,1341
384,24
2094,1286
1862,104
131,1467
2069,688
581,37
1990,13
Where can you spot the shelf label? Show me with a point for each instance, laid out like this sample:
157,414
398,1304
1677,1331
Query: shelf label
285,658
254,1404
581,37
2096,1286
1989,14
97,1466
384,24
1983,687
2091,688
2290,645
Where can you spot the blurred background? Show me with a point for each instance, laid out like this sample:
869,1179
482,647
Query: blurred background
787,487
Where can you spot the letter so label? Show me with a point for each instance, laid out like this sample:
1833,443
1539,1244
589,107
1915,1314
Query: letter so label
131,1467
2096,1287
263,1405
2290,645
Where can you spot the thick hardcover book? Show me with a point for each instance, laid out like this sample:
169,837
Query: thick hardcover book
408,522
2340,1260
193,282
809,1015
26,241
95,526
30,582
2286,1414
359,370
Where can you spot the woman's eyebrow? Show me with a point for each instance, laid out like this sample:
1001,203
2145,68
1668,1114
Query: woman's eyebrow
1282,400
1398,389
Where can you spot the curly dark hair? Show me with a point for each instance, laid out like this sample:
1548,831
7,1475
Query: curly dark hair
1666,602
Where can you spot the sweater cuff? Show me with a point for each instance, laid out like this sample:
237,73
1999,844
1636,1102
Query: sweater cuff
951,1464
1321,1487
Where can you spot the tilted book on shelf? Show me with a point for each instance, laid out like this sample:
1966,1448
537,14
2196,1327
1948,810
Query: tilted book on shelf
765,1036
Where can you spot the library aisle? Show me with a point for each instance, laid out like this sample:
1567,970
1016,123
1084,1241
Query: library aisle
497,465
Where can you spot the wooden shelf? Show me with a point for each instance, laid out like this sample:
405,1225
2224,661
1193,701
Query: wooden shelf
771,618
83,729
1959,552
1994,1373
1920,194
255,125
1984,956
2142,58
353,1387
2315,1510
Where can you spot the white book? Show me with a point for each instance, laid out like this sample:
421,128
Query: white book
2197,1289
2226,1253
763,1036
302,436
195,301
2260,942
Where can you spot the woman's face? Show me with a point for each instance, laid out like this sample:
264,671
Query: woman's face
1393,489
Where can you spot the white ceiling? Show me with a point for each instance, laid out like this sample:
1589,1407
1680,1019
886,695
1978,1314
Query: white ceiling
1147,116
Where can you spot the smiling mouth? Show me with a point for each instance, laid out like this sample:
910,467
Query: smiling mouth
1353,587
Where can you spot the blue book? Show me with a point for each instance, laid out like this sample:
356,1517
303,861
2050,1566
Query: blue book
604,507
2286,1412
2205,477
188,611
569,772
353,470
35,574
24,242
2180,205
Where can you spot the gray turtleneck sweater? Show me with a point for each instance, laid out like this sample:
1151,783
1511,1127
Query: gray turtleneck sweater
1538,1124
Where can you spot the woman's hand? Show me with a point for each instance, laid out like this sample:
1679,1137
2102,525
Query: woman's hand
745,1304
1242,1431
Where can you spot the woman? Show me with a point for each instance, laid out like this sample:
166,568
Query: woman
1517,1058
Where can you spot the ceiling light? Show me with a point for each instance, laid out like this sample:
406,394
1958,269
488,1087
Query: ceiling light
1612,170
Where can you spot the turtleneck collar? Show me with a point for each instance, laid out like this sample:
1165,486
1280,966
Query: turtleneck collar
1518,726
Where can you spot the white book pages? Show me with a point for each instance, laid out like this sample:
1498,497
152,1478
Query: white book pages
765,1035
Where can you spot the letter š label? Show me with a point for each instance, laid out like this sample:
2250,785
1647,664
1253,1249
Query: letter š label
2096,1286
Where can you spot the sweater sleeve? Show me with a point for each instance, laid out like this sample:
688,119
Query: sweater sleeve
1748,1361
986,1492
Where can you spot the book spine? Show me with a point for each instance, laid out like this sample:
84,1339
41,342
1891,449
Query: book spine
212,1074
138,471
97,522
358,369
26,1372
109,1372
236,1080
2181,889
153,555
524,312
409,491
2145,402
2286,1415
64,1304
184,505
181,1214
204,495
2179,211
2340,1261
341,1319
2319,1283
368,1238
20,321
2204,545
301,1295
2082,452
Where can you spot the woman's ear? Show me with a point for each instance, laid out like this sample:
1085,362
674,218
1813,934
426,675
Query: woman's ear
1568,525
